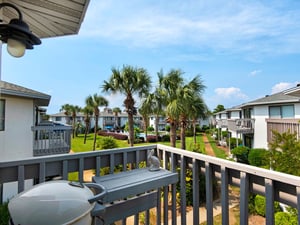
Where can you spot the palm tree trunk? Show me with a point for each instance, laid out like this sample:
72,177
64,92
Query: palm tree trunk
95,133
194,131
156,126
182,135
131,129
87,127
173,134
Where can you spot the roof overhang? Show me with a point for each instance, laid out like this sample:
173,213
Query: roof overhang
48,18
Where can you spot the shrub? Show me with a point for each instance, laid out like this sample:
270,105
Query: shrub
150,128
233,142
283,218
107,143
165,138
4,215
168,128
260,205
259,157
241,153
189,188
151,138
189,133
117,136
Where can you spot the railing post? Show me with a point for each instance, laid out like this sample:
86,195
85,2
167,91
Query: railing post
42,172
209,194
21,178
269,189
173,186
224,195
298,202
244,195
183,190
196,191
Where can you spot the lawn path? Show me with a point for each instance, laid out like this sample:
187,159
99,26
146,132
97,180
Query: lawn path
208,149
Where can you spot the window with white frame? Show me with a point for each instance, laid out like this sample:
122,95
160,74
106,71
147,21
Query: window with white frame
282,111
2,114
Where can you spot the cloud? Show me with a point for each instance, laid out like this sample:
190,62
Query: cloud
283,86
231,92
255,73
253,28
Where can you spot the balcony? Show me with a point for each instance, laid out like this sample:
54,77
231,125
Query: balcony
241,126
275,186
281,126
51,139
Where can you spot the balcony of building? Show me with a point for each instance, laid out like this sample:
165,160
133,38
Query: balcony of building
51,138
281,126
273,185
242,126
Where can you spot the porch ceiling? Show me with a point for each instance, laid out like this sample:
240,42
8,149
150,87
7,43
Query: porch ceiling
48,18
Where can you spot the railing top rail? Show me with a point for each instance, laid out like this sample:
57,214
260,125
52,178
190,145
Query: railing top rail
273,175
61,157
56,128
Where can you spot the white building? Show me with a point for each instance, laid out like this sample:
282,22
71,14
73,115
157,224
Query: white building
19,112
254,121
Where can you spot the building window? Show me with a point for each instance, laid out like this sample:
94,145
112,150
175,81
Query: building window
283,111
2,114
58,118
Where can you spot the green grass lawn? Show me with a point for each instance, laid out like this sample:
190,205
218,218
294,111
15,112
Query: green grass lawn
77,144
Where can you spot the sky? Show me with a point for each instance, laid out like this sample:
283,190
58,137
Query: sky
242,50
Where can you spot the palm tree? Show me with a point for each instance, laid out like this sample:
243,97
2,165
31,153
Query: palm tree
145,110
66,108
188,94
95,102
129,81
170,85
198,110
73,110
88,112
116,112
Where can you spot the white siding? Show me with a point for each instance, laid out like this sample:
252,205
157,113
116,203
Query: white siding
297,110
260,113
16,141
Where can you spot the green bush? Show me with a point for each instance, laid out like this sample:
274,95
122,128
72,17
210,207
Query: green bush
189,188
165,138
168,128
189,133
151,128
260,205
233,142
4,215
241,153
283,218
259,157
107,143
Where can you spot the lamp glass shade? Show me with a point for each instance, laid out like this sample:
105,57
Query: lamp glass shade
15,48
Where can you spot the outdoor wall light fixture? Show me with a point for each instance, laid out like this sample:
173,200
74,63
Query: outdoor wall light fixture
17,34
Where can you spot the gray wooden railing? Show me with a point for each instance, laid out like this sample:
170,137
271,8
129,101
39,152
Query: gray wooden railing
275,186
50,140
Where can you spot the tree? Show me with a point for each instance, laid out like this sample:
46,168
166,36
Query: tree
169,85
129,81
219,108
285,153
198,110
71,110
95,102
188,94
88,112
145,110
116,112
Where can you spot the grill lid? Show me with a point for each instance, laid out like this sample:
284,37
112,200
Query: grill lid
53,202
